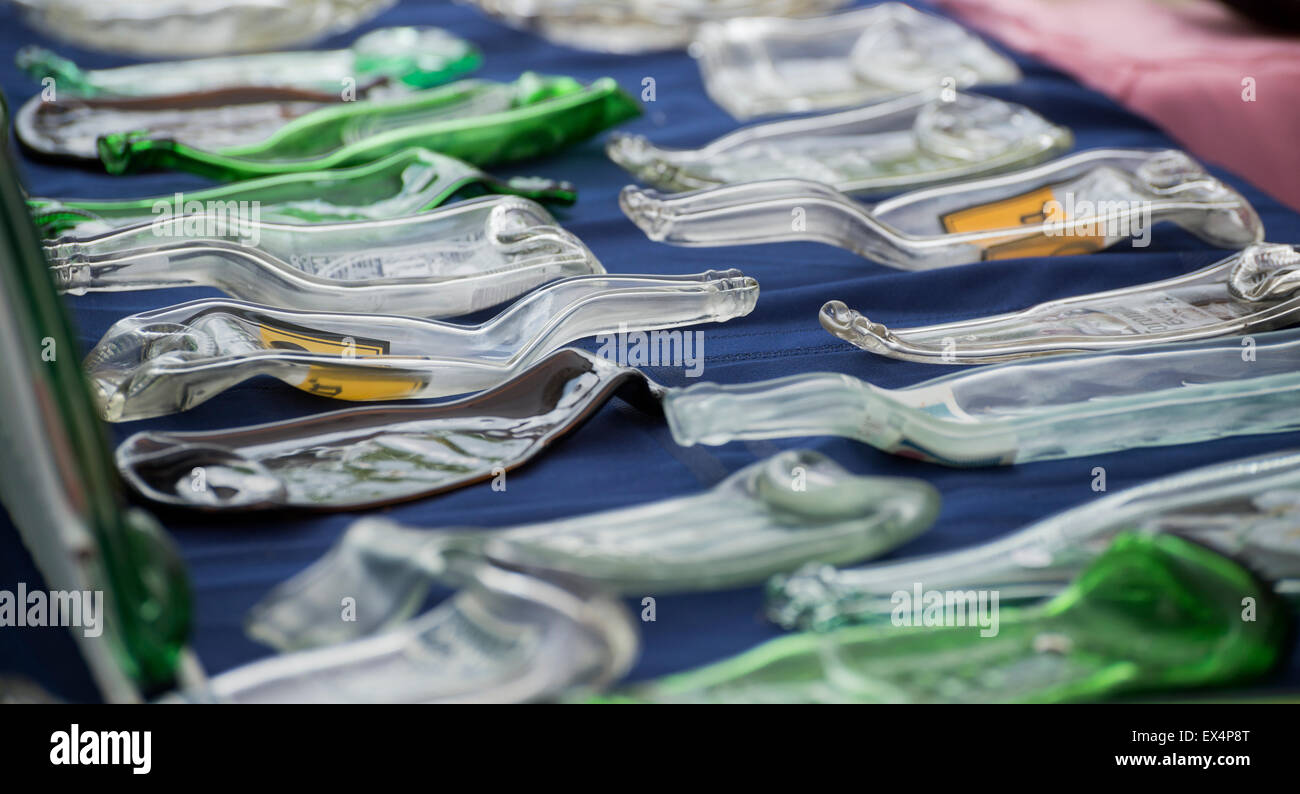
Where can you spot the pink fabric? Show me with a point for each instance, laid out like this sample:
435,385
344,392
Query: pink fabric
1179,63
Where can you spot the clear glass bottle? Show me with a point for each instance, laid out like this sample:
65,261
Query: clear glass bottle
168,360
189,28
1021,411
766,518
635,26
391,57
1199,305
898,144
445,263
769,65
1078,204
505,637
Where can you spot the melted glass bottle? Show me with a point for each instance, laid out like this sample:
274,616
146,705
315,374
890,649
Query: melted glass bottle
452,261
1204,304
378,454
172,359
1021,411
477,121
189,28
633,26
1075,205
1152,612
406,183
505,637
768,517
899,144
756,67
394,57
1248,509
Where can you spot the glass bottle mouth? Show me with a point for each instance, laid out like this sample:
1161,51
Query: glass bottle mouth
1266,272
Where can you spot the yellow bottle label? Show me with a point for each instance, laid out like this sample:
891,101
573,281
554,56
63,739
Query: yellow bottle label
1027,209
342,383
346,384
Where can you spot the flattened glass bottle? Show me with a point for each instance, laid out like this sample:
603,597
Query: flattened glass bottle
909,142
1050,210
755,67
168,360
445,263
473,120
1248,509
378,454
1200,305
406,183
768,517
505,637
1153,612
393,57
634,26
1021,411
189,28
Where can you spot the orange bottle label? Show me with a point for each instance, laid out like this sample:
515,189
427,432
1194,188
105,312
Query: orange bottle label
1027,209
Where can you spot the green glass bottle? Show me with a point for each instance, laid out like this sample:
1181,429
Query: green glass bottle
59,484
408,182
1154,612
477,121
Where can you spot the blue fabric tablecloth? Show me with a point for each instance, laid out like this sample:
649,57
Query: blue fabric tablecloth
623,457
